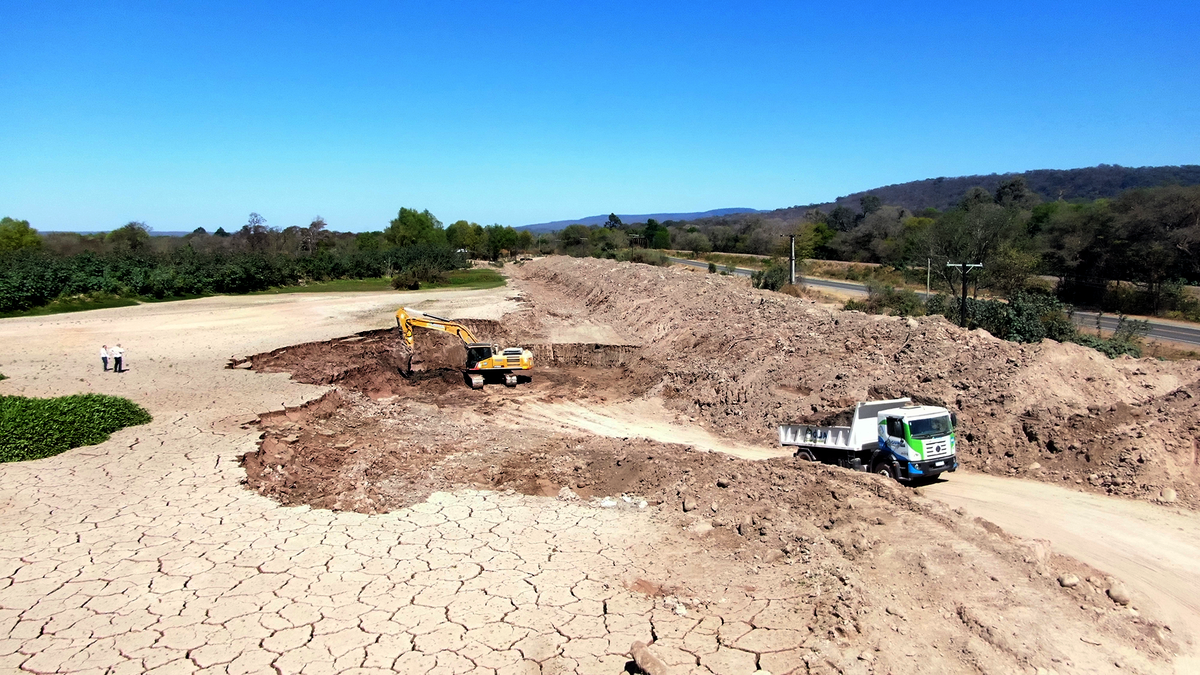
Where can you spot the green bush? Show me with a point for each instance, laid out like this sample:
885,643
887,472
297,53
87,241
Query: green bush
1026,317
646,256
883,298
32,428
712,268
773,278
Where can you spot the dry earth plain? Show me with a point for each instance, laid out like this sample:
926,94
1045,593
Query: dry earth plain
352,521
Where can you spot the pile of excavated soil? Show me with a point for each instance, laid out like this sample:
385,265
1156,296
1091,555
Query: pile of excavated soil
874,577
743,361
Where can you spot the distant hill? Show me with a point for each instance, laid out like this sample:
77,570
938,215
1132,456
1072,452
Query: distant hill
556,225
1106,180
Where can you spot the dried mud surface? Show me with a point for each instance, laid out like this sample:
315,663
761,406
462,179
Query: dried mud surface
779,564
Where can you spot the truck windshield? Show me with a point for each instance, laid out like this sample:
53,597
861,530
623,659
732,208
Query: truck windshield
929,428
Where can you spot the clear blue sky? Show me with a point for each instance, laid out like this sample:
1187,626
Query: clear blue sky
194,114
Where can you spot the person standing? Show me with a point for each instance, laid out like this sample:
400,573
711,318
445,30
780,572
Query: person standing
118,355
104,356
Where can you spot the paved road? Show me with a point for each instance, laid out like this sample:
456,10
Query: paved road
1159,330
1154,550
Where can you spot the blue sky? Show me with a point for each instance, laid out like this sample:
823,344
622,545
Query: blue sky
187,115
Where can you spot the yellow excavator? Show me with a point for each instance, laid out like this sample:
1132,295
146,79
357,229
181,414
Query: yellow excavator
482,358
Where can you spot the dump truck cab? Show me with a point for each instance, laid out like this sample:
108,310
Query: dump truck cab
918,440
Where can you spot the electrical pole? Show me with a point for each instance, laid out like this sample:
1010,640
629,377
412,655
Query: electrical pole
928,270
966,269
792,260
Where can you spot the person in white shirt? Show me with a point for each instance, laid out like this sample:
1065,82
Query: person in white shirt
118,355
104,356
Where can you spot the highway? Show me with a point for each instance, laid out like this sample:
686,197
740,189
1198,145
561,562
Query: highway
1167,331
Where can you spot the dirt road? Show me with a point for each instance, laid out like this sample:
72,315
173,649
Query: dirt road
1155,550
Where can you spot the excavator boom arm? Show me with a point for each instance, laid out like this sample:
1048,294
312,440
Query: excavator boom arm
407,319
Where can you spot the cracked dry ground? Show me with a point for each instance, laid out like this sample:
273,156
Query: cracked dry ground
148,554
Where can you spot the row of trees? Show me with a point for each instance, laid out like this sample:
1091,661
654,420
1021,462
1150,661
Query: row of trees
1132,254
37,269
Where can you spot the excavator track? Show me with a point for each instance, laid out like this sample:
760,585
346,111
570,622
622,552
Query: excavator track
476,380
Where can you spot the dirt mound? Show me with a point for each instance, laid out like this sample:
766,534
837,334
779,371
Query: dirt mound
743,361
862,563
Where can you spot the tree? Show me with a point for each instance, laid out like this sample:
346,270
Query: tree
369,241
133,236
255,233
695,242
870,204
842,219
199,231
499,239
220,232
1015,193
575,239
613,221
525,240
411,227
17,234
314,234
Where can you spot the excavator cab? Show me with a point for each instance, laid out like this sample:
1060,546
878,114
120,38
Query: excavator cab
477,353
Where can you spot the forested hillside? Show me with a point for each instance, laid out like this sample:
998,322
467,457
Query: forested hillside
1098,182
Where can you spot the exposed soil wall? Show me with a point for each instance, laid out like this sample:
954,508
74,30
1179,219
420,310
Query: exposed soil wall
743,361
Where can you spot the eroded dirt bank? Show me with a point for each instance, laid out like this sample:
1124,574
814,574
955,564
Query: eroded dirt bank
778,564
743,361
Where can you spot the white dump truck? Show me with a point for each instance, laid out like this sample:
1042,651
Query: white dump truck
895,438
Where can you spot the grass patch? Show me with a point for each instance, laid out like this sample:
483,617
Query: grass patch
32,428
78,303
333,286
472,279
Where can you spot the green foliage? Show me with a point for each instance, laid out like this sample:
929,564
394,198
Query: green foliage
712,268
644,256
411,227
17,234
130,237
31,278
33,428
1026,317
75,303
886,299
772,278
477,278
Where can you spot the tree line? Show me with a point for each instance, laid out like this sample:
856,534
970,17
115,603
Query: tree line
130,261
1132,254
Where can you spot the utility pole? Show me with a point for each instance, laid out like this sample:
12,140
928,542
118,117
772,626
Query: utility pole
792,260
928,270
966,269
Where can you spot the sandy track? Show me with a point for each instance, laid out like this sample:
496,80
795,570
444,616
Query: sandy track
1154,550
643,419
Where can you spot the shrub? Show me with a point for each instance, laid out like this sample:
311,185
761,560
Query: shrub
712,268
645,256
773,278
32,428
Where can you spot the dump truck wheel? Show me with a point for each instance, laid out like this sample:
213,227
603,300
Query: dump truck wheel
805,455
886,469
